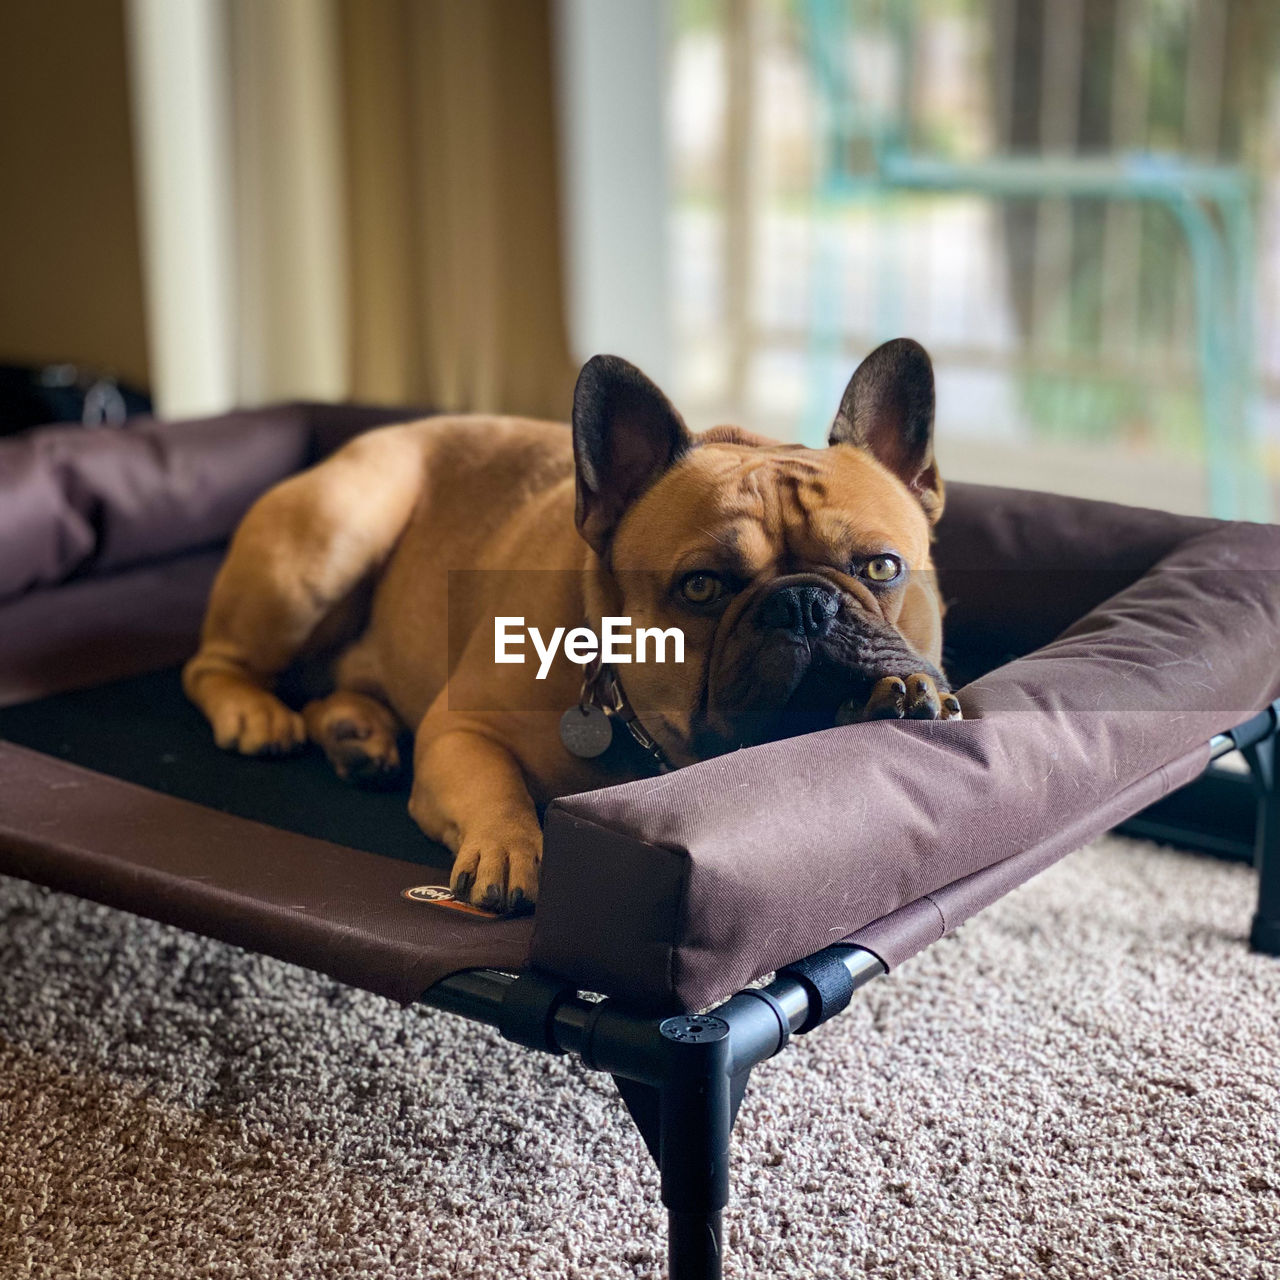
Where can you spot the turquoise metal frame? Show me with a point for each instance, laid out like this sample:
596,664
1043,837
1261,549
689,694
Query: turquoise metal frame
1211,204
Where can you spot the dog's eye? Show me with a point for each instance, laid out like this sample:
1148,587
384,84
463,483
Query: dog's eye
882,568
701,588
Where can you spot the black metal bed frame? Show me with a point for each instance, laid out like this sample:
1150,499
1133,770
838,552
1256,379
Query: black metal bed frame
683,1078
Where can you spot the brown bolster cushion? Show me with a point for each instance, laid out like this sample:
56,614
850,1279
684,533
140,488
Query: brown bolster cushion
76,501
676,891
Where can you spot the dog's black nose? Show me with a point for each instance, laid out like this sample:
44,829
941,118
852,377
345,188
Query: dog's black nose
801,611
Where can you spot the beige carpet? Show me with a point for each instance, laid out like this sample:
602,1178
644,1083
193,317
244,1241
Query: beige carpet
1083,1083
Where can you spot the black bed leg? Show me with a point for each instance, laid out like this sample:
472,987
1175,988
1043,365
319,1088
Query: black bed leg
694,1245
686,1117
695,1120
681,1078
684,1078
1265,933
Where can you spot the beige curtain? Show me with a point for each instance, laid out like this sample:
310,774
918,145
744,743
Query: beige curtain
454,291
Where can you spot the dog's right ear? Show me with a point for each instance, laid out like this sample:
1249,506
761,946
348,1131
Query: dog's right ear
887,410
625,435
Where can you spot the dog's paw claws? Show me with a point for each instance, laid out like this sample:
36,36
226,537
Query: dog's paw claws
915,698
888,700
923,701
498,875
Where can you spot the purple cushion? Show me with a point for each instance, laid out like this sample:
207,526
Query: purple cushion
676,891
76,501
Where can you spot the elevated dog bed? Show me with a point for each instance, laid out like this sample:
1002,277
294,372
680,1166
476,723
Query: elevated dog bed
1105,654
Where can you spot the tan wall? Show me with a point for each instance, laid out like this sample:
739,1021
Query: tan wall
70,275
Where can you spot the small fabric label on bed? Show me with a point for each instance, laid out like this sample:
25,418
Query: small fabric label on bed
437,895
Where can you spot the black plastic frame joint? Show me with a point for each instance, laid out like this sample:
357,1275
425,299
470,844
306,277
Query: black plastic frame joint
772,1002
1266,724
695,1121
528,1011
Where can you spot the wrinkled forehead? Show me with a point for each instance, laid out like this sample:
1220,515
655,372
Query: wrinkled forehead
778,508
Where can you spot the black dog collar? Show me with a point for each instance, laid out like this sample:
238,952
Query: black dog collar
587,728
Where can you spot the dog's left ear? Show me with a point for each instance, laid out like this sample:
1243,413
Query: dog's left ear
625,435
887,410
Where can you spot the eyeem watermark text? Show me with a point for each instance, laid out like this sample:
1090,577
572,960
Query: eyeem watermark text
616,643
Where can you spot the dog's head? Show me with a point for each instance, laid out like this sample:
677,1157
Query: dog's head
793,572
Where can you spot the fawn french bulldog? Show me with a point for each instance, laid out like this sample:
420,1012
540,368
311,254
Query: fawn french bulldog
800,579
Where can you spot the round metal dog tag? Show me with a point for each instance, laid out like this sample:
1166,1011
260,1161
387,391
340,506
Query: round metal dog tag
586,731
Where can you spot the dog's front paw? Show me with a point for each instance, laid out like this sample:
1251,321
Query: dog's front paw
253,722
498,872
915,698
358,735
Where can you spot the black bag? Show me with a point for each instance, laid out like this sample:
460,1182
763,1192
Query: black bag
31,397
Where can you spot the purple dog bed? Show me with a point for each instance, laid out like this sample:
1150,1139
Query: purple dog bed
1104,652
